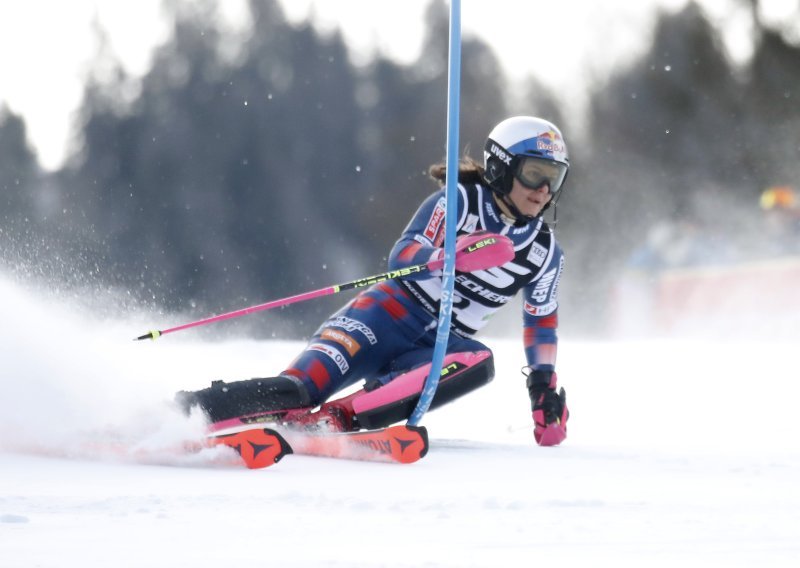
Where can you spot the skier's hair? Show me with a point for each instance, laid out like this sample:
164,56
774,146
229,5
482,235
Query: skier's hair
469,171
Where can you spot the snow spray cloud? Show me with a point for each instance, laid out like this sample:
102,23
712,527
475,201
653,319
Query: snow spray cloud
66,378
72,381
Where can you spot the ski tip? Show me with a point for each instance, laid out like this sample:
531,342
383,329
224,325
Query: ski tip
149,335
258,447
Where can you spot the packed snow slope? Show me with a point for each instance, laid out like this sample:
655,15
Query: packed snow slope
679,454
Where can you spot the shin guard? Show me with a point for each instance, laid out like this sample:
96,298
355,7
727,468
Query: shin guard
394,402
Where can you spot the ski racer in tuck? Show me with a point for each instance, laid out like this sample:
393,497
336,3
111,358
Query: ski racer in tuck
385,335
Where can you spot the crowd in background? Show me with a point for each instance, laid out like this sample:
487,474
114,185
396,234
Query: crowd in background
769,230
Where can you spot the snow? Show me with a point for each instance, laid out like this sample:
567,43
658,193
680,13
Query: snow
679,453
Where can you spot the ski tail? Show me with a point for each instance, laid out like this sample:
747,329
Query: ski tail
258,447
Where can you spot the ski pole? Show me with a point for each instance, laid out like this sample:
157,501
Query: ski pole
360,283
451,218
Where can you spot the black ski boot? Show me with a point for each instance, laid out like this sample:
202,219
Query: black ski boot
222,400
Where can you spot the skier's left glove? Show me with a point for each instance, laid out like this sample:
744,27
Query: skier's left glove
550,413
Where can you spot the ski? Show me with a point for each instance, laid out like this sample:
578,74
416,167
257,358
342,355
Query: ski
262,447
256,448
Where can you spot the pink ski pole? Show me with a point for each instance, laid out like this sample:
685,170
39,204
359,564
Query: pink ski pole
360,283
479,251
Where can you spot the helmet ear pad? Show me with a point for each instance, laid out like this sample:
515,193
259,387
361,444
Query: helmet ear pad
498,175
494,172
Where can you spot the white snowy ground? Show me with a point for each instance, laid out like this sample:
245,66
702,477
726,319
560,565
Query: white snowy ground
679,454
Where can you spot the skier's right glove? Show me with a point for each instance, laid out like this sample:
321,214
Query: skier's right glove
550,413
477,251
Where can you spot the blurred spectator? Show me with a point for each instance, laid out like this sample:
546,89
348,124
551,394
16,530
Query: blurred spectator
781,206
679,244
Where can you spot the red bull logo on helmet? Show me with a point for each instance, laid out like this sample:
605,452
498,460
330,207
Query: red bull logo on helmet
551,143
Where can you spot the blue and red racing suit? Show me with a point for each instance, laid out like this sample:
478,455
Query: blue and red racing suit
391,327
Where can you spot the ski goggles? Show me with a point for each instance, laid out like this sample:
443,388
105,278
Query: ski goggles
533,172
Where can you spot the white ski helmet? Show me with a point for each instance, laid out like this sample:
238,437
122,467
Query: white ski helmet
522,139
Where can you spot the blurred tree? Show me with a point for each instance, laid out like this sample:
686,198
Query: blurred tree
682,136
671,118
144,167
214,186
771,139
658,132
19,174
404,125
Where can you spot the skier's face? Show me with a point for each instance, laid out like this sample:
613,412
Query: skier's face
530,201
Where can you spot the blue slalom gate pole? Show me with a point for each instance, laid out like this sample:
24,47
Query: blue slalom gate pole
451,216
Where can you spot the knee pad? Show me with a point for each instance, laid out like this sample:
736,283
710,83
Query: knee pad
222,400
394,402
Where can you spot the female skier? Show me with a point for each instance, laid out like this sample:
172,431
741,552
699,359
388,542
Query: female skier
386,334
